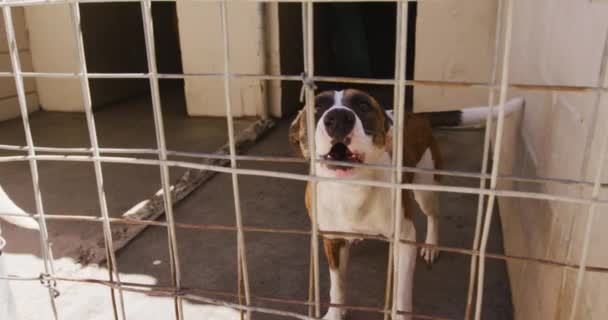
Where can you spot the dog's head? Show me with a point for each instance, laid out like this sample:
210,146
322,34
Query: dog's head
350,126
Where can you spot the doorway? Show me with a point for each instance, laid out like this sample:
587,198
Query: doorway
350,40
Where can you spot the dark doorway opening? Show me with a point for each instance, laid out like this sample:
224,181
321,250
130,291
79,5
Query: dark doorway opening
114,42
350,40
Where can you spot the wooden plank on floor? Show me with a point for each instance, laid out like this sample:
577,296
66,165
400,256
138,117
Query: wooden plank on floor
153,208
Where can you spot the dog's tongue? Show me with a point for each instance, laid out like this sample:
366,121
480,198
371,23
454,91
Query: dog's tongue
339,151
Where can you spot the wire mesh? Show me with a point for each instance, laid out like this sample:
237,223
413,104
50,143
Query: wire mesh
93,154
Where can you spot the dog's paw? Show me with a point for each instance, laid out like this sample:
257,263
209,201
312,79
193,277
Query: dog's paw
334,314
430,255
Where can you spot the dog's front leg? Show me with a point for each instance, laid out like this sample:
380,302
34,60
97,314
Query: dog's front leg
336,251
405,270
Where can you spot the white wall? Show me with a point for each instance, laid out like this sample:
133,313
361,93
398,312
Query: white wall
9,104
555,42
117,46
454,42
202,52
53,48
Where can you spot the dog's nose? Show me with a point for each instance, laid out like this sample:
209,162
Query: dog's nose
339,123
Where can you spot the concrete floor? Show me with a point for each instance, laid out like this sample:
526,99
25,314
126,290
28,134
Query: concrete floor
278,264
128,124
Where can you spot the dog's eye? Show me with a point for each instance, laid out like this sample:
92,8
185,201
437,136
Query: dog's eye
364,107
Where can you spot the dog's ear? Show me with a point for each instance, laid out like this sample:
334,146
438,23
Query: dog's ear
297,135
388,142
294,135
388,129
388,120
383,125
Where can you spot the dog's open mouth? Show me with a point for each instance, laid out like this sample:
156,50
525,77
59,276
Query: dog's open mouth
341,152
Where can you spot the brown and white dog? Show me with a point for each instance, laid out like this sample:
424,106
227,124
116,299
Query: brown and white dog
351,126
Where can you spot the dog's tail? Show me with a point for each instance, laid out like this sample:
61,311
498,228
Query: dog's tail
472,117
18,217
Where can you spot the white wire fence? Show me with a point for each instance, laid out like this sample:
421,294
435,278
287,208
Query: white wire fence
498,87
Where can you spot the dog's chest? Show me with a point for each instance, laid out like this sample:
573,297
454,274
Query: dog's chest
351,208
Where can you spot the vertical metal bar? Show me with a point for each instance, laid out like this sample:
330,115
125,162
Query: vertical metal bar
504,82
308,35
602,82
311,269
389,281
146,8
242,257
485,157
311,285
268,11
103,205
398,131
239,281
47,254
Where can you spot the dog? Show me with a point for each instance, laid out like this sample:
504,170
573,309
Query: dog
351,126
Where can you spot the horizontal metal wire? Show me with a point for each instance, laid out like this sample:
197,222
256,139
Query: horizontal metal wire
204,155
304,177
391,82
14,3
252,229
196,294
192,293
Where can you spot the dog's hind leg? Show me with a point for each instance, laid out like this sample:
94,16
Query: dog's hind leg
429,204
405,274
337,251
